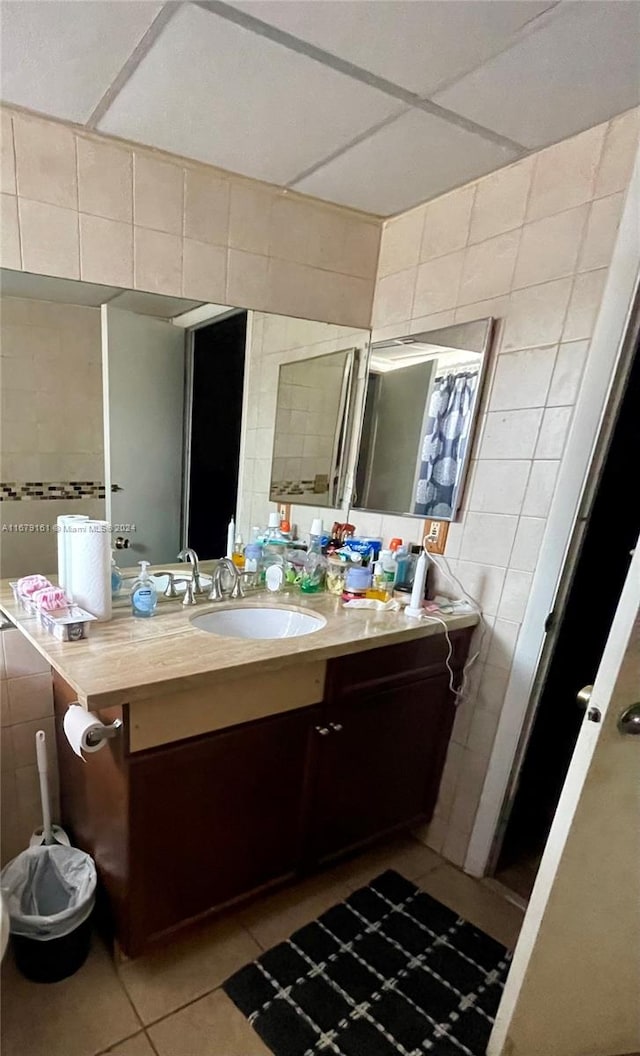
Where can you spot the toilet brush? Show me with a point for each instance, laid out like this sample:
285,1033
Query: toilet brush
49,833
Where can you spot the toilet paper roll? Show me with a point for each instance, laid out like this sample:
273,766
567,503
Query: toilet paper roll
78,724
89,567
63,544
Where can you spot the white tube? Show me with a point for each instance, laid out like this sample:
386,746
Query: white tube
231,537
417,594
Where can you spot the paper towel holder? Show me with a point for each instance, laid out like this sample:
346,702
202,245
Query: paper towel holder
94,737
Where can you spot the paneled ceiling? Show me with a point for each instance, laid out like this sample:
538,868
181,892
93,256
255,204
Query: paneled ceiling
374,104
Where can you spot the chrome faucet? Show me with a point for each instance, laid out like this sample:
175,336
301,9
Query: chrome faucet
226,568
190,555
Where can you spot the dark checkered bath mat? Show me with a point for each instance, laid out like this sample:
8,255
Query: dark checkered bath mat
389,970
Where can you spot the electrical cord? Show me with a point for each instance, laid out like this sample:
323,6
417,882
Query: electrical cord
441,561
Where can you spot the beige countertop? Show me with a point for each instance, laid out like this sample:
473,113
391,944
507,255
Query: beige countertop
131,659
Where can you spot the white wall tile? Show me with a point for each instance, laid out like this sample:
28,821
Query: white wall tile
446,223
601,232
45,162
553,432
488,538
499,486
586,298
7,155
501,201
20,657
565,173
158,194
437,284
542,482
49,236
527,543
536,315
10,256
549,247
488,268
30,697
567,373
483,583
513,603
400,243
503,644
522,378
394,298
619,152
511,434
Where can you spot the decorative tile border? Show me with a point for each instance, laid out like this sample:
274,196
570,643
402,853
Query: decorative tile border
12,491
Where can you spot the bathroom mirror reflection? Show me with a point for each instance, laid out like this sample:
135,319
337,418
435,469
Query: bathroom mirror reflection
155,413
420,411
313,421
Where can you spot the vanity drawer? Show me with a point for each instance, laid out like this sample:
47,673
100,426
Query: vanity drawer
393,665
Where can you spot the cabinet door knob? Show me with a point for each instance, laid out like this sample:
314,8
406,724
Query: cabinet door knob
324,731
336,726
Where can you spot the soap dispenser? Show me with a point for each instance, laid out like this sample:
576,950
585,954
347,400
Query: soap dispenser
144,597
116,577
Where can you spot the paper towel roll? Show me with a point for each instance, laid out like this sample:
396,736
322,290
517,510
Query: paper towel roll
63,544
78,724
89,567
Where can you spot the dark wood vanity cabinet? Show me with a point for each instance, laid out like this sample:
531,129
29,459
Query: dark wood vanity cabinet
183,829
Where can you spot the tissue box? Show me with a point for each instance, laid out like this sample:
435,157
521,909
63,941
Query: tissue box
68,625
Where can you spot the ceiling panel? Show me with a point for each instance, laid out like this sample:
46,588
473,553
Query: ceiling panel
578,70
216,92
416,45
408,161
60,57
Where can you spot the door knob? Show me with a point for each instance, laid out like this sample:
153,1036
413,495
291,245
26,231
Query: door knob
324,731
336,726
629,720
122,543
584,696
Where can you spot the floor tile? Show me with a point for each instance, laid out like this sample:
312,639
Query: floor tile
212,1026
138,1045
475,902
273,919
407,856
79,1016
168,978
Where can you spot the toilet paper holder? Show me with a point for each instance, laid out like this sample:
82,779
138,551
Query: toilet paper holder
94,737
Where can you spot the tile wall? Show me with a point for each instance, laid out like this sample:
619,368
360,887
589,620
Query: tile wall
26,701
529,245
84,206
51,431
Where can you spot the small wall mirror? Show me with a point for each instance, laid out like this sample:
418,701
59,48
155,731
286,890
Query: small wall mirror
420,409
313,420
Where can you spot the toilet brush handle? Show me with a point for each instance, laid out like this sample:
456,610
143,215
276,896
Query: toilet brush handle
41,755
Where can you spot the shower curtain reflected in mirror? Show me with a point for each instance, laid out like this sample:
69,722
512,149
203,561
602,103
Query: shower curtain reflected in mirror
447,430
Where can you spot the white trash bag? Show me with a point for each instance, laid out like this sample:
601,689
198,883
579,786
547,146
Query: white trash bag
49,891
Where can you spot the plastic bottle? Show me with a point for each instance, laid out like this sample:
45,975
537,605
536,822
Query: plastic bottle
144,597
116,578
315,566
238,553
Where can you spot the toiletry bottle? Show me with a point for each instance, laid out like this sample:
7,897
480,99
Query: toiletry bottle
116,578
144,597
238,553
231,538
315,566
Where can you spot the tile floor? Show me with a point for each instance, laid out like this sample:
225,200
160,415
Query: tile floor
170,1003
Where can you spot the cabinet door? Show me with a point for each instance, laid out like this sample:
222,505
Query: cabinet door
213,818
379,766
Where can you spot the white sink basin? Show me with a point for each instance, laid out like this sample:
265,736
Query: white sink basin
246,622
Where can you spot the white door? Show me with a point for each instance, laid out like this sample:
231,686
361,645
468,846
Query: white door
143,367
574,985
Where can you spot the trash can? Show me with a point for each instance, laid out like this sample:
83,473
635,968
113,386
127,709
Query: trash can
50,894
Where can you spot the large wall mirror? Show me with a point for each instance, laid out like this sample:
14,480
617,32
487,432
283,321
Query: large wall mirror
157,414
420,408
